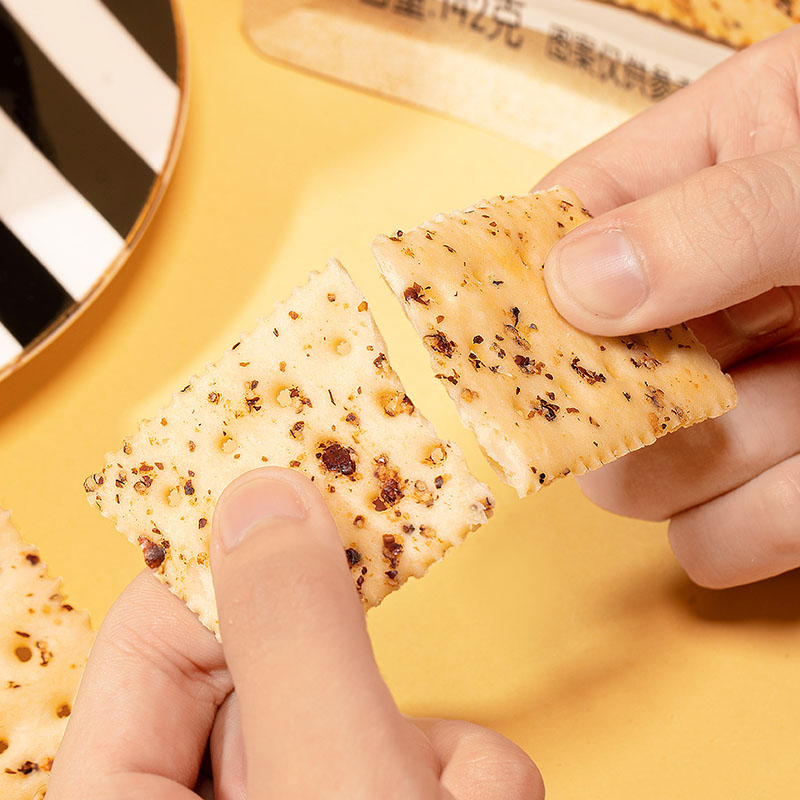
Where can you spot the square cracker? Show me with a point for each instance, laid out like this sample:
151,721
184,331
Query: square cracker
310,388
543,398
44,644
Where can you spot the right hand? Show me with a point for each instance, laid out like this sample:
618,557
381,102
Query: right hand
699,219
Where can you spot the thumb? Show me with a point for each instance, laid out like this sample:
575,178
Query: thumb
295,639
720,237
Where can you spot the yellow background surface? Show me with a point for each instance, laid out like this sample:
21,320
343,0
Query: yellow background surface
566,628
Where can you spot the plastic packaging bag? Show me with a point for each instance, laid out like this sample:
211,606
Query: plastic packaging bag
554,74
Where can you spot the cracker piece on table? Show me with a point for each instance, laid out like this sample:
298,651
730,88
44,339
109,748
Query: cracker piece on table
44,644
543,398
311,388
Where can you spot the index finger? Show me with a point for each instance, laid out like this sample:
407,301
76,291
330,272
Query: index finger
726,114
147,700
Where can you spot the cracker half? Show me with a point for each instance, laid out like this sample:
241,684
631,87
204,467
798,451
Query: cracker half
310,388
543,398
44,644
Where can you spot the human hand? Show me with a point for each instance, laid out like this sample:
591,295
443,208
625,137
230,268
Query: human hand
293,693
699,219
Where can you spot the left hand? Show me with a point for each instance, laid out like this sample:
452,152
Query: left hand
291,706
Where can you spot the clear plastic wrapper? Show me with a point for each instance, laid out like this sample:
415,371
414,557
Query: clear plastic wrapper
554,74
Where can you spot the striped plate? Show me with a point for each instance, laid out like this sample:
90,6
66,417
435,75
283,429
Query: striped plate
91,112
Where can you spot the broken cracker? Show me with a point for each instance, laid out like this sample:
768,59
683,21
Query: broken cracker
44,644
543,398
311,388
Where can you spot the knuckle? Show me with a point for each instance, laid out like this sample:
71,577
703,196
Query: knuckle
165,656
741,216
737,213
776,58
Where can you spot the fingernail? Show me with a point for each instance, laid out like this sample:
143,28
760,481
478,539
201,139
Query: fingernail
601,272
256,501
767,313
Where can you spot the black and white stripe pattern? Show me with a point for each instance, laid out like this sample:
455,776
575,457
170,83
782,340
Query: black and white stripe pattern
89,104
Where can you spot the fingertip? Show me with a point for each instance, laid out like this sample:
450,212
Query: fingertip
479,762
745,535
265,496
227,748
596,279
627,487
699,569
277,558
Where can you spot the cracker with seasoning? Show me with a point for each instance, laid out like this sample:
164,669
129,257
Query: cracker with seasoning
737,22
543,398
311,388
45,644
